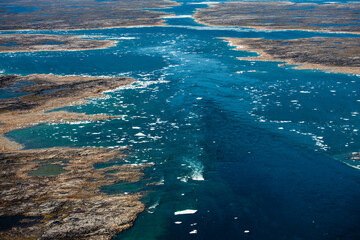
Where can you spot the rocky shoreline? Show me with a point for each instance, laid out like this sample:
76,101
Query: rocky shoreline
329,54
68,205
283,16
55,193
48,92
322,53
45,42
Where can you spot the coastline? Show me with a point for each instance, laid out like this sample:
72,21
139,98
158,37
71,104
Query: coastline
161,23
68,204
290,16
263,56
116,14
56,197
22,118
259,28
38,43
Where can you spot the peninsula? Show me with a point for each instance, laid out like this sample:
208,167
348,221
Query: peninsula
326,54
283,16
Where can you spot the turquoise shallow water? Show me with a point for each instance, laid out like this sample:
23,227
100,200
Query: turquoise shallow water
260,151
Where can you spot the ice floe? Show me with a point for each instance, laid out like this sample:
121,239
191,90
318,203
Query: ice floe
184,212
140,135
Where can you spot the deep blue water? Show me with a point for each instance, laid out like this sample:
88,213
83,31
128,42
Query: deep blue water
250,145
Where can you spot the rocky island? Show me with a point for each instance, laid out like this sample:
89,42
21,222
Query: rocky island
47,42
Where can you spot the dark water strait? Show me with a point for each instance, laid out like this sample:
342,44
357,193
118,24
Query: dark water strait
251,150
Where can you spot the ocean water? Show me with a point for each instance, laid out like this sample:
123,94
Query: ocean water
241,149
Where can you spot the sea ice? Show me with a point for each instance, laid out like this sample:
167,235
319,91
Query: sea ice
140,135
188,211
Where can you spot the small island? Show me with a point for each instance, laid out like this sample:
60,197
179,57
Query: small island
47,42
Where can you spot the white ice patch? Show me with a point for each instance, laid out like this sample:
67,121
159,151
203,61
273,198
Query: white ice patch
232,44
72,123
177,16
121,38
140,135
137,85
193,232
183,179
154,205
184,212
161,182
203,3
